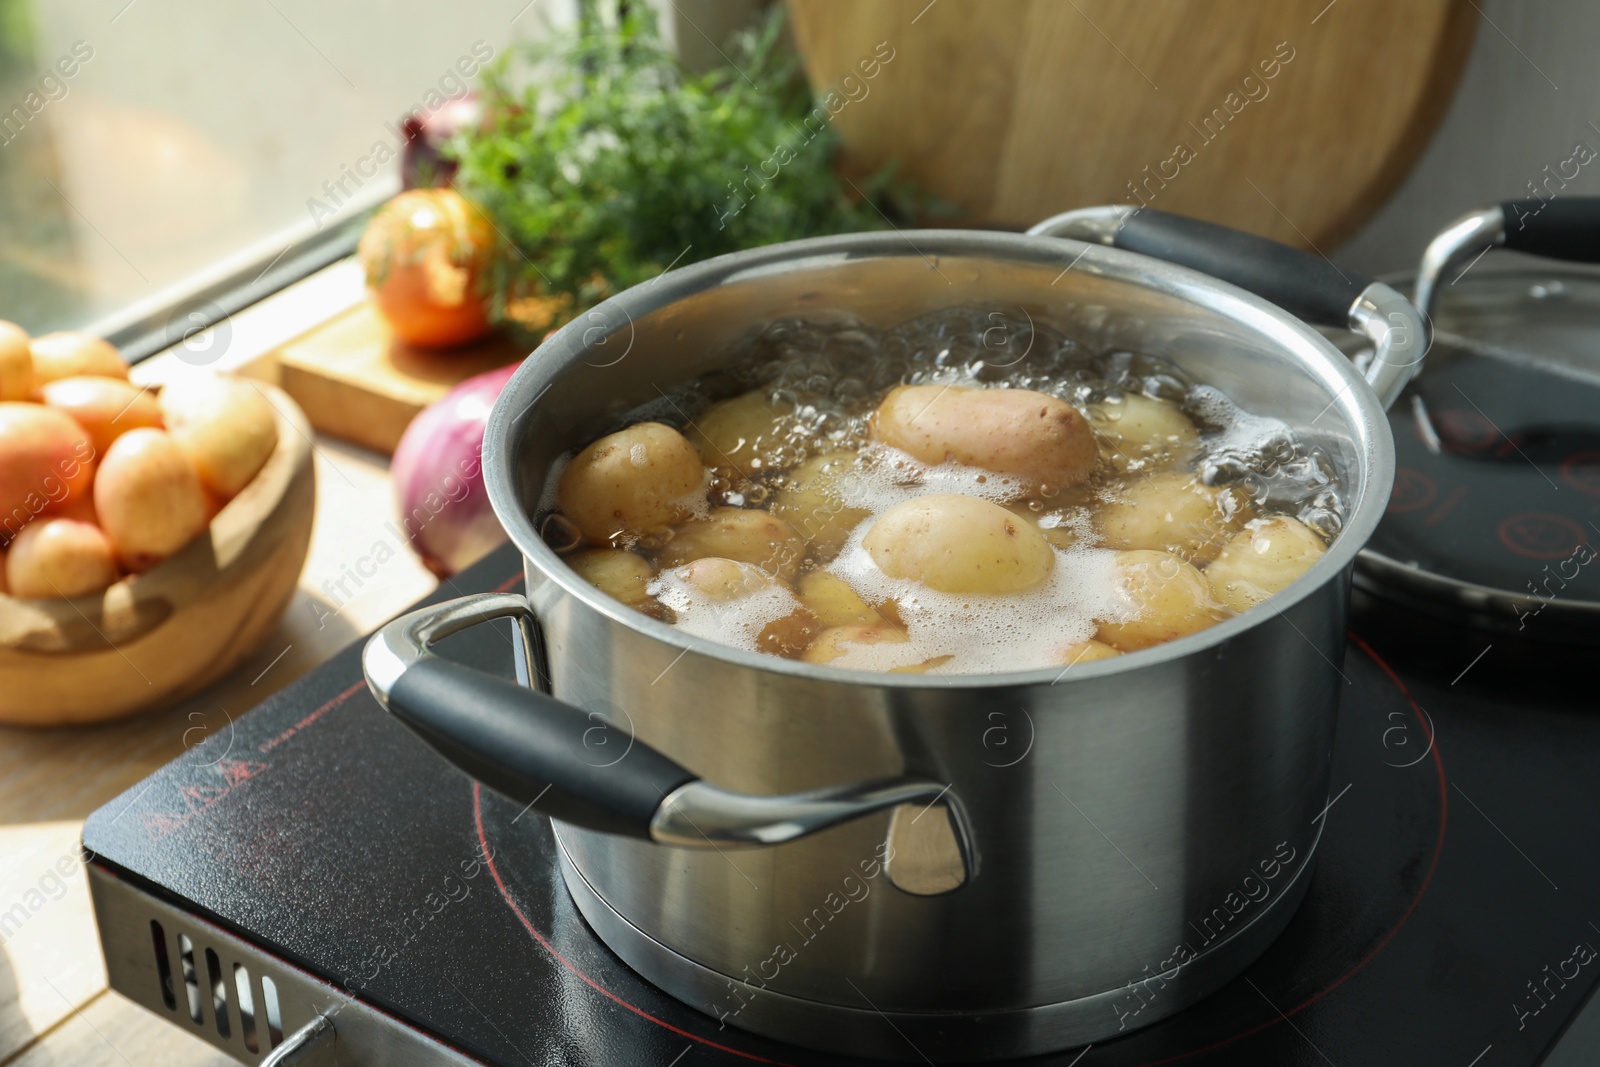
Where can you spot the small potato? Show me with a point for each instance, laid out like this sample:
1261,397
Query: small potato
727,581
744,534
224,425
46,461
809,503
59,558
1143,434
1085,652
149,498
1038,439
635,481
618,574
71,355
833,602
836,640
1174,512
1264,558
1167,597
741,433
924,667
959,544
16,363
105,407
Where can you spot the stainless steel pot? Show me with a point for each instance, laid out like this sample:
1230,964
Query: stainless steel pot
902,866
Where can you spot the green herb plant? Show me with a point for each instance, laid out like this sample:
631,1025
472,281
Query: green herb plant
603,162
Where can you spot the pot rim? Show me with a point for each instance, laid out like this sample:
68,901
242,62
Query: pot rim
1315,354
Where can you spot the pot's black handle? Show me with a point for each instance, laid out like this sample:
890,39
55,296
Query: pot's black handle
580,768
571,764
1566,227
1306,285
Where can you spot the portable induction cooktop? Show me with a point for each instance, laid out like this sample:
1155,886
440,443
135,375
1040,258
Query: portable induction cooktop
316,886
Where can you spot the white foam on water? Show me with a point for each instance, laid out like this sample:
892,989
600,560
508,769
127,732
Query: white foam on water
737,622
984,634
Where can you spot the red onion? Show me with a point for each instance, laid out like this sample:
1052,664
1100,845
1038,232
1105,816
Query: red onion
422,164
438,477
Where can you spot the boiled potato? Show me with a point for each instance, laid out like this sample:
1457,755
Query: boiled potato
71,355
1142,433
1166,597
59,558
833,602
224,425
727,581
836,640
617,573
741,433
635,481
1264,558
16,363
105,407
809,503
1085,652
959,544
1174,512
1041,441
744,534
148,497
924,667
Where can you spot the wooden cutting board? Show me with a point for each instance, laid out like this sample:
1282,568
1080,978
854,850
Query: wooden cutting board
1293,119
356,382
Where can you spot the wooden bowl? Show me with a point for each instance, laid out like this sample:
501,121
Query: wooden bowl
154,638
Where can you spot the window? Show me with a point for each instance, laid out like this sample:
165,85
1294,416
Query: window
151,150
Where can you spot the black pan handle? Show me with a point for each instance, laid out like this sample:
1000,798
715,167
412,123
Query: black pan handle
1563,227
1307,285
580,767
1302,283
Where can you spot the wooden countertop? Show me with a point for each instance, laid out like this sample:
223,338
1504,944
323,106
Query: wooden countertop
55,1007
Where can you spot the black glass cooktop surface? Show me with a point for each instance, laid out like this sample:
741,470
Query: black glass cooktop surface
1451,919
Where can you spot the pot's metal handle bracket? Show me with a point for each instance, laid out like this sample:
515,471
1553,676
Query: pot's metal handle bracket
1304,284
531,747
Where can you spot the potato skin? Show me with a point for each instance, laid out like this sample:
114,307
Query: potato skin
1168,597
1142,433
833,602
16,363
148,497
1085,652
616,572
808,503
747,535
59,558
635,481
224,425
740,434
959,544
1172,511
69,355
46,461
835,641
1042,441
1263,559
106,407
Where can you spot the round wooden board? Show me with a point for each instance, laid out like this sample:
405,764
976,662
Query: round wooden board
154,638
1014,110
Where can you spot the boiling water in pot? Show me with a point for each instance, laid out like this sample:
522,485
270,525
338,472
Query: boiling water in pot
968,492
